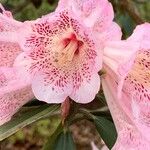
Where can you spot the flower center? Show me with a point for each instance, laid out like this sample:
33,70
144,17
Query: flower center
69,47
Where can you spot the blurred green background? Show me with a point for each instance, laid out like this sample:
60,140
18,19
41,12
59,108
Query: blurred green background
128,14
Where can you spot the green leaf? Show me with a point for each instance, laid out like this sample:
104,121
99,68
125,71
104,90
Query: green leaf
107,130
60,140
25,118
52,138
64,142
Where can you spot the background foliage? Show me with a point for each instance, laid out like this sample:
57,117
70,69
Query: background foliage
128,14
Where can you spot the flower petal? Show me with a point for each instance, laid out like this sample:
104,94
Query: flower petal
119,57
137,83
9,37
8,53
50,87
128,135
141,34
25,30
130,139
105,17
22,64
9,48
13,94
87,90
94,147
12,101
94,13
110,90
7,23
113,33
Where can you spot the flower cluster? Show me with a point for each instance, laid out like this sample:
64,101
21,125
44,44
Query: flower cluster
59,56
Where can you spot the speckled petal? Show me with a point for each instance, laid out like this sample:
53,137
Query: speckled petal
130,139
60,55
12,101
8,53
128,135
137,83
9,48
87,90
94,13
13,94
49,90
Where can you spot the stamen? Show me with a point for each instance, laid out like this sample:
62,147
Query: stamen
68,48
67,54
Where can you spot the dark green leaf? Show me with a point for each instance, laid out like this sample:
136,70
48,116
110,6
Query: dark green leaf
51,140
127,24
25,118
64,142
107,130
60,140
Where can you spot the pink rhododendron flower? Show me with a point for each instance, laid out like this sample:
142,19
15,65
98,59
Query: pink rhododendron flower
13,92
131,108
63,50
138,81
